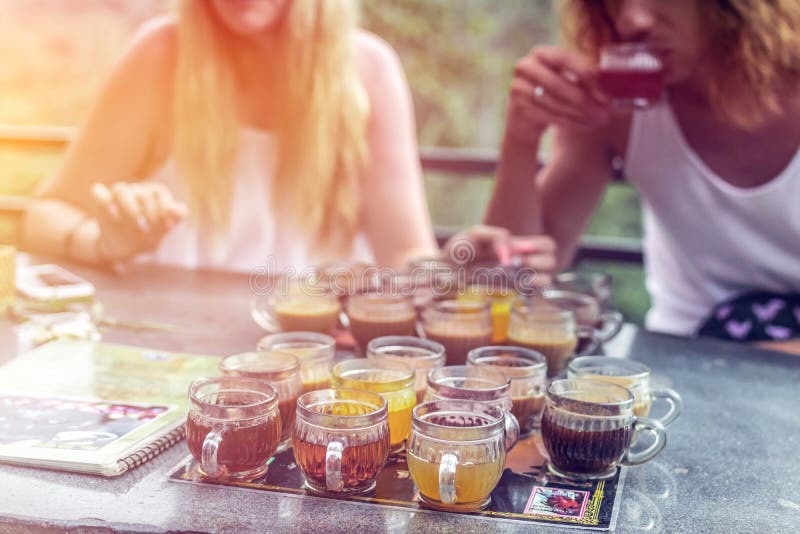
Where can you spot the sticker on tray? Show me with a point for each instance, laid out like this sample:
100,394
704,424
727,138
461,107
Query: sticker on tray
557,502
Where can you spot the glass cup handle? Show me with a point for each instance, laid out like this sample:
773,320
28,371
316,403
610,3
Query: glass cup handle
675,404
612,323
333,466
208,457
655,428
512,431
592,335
447,478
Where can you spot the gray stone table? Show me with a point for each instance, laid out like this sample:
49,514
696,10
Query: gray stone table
732,463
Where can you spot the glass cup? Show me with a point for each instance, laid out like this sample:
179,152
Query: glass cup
546,328
594,284
631,75
282,370
314,351
500,300
394,381
588,427
233,426
607,324
476,383
341,440
458,325
315,310
456,454
419,354
527,370
635,376
8,269
373,315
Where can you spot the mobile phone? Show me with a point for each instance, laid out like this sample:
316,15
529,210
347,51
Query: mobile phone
48,282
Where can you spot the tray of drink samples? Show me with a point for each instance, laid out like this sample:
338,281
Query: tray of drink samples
525,493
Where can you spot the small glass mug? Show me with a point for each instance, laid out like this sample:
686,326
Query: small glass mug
296,310
476,383
527,370
394,381
630,74
456,454
588,428
587,311
314,351
341,440
419,354
635,376
373,315
459,325
282,370
594,284
545,328
500,300
233,426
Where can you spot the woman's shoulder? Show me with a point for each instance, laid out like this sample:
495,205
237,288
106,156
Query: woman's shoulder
376,59
154,48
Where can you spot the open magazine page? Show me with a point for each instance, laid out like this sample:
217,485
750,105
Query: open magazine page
85,406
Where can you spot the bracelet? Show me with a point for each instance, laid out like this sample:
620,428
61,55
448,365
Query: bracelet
71,235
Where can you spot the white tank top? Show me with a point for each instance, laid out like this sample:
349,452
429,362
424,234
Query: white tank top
706,240
256,237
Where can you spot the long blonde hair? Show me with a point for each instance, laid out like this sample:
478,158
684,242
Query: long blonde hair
320,125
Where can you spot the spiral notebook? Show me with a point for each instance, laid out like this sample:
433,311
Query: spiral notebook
93,407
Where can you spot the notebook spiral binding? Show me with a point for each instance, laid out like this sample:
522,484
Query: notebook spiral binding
152,450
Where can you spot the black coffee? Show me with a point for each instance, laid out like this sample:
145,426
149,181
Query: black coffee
581,451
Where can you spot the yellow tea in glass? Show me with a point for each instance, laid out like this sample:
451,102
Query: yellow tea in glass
421,355
314,351
394,381
500,300
456,453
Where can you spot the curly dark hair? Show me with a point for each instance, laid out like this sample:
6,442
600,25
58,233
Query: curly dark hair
755,45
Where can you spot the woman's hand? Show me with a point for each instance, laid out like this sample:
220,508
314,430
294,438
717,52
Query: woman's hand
133,217
552,86
493,243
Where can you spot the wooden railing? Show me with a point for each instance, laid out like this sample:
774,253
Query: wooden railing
462,163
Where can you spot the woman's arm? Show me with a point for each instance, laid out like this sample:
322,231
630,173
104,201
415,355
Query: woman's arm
551,87
116,144
395,214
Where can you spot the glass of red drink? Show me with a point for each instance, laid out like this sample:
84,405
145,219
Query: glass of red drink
631,75
233,426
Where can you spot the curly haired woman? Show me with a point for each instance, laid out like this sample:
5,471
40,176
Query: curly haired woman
716,161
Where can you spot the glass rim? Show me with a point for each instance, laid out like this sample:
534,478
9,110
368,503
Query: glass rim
583,365
556,294
404,374
286,363
558,393
420,423
442,378
568,277
381,301
531,360
455,308
253,385
549,313
300,339
435,349
321,397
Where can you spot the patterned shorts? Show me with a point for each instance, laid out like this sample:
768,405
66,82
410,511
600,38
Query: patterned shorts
755,317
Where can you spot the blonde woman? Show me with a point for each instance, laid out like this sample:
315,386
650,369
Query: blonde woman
717,162
239,133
